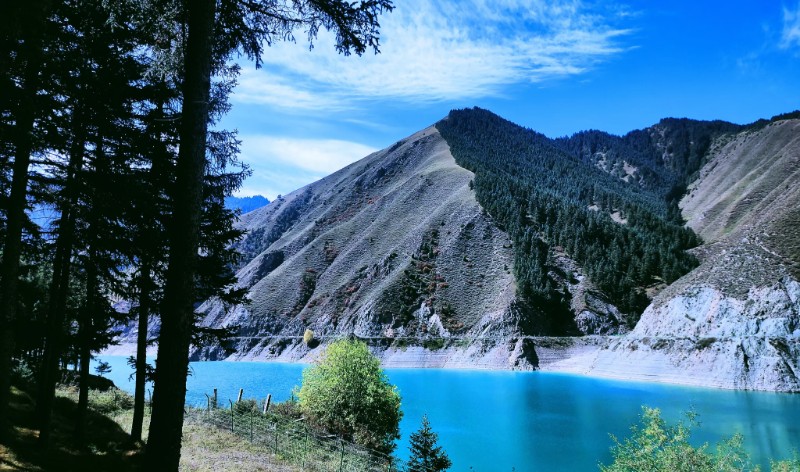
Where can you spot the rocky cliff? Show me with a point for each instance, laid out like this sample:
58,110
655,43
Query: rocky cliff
733,322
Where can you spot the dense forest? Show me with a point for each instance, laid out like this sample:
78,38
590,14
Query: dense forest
608,202
108,114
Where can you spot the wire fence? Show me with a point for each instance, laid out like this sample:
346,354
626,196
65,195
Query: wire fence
293,441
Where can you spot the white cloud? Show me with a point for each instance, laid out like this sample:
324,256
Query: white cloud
256,89
434,51
281,164
316,155
790,36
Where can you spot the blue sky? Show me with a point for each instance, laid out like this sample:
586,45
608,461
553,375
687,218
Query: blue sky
555,66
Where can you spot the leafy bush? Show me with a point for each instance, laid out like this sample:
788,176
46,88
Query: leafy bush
22,373
704,343
246,406
110,401
791,465
348,394
433,344
309,339
288,409
655,446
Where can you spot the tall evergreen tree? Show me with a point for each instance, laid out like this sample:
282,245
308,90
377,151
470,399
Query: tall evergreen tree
100,80
212,35
426,454
23,35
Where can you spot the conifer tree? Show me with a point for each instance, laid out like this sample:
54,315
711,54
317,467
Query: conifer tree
23,33
426,454
216,30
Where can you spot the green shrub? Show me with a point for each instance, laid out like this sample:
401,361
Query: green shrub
288,409
247,405
22,373
655,446
110,401
348,394
704,343
791,465
433,344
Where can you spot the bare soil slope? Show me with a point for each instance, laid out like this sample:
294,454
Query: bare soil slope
393,247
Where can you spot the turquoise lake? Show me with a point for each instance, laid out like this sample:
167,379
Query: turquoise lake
524,421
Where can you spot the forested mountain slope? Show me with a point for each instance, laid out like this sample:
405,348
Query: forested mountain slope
733,322
555,197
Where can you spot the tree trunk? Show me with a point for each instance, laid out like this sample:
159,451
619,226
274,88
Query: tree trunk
59,288
85,350
141,352
177,316
15,216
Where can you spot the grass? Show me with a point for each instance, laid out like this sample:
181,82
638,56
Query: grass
108,445
282,434
212,449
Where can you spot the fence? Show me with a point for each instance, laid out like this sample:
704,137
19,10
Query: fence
294,442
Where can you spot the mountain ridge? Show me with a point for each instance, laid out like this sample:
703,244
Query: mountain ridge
404,249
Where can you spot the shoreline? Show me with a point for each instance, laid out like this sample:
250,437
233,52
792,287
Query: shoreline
588,356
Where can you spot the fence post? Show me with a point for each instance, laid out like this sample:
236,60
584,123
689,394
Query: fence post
239,398
231,415
215,399
266,403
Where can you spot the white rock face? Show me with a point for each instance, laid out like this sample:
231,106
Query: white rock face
734,322
705,336
771,311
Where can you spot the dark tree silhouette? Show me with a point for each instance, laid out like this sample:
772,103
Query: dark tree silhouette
23,31
214,34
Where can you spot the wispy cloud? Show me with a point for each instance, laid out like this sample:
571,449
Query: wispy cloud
442,50
281,165
790,36
317,155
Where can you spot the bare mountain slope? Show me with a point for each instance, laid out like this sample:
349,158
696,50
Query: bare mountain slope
734,321
391,247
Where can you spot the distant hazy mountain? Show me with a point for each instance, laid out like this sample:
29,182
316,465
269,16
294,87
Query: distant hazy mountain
246,204
479,243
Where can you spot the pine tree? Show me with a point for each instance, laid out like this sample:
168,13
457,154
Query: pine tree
426,455
249,27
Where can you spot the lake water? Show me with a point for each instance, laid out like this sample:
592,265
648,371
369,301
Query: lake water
523,421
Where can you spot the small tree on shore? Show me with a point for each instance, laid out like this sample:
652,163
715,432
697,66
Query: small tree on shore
655,445
309,340
348,394
426,455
